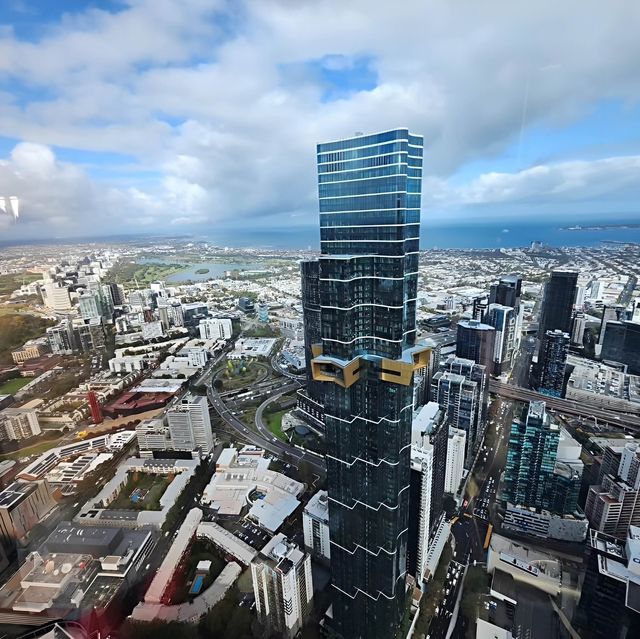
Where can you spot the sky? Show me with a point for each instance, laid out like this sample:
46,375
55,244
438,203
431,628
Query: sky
183,117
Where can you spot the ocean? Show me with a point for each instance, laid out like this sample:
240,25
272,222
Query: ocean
476,235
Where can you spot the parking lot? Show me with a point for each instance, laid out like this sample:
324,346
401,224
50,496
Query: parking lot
249,533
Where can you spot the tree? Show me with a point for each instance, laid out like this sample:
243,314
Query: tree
218,384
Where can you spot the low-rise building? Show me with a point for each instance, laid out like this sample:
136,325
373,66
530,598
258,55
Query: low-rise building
28,351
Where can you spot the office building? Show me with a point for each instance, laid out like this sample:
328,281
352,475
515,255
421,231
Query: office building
18,423
456,448
578,326
283,586
609,606
315,525
369,190
190,424
90,305
543,469
56,297
153,435
246,305
476,341
503,320
621,344
217,328
558,301
116,292
23,504
507,292
552,363
459,397
609,314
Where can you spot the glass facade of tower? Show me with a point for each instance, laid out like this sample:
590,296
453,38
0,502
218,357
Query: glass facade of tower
369,189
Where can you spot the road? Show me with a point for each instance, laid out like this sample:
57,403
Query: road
453,583
268,442
567,406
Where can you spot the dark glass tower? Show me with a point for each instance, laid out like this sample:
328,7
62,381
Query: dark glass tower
369,188
311,399
557,305
553,362
476,341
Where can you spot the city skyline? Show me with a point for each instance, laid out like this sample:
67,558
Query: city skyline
155,133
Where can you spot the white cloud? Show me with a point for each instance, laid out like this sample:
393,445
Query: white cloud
204,100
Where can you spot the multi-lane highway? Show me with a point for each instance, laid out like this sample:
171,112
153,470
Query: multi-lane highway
266,441
568,406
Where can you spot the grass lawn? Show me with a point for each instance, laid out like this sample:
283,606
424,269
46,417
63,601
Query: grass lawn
14,385
36,449
274,424
154,484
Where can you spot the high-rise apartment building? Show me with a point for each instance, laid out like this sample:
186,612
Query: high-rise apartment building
508,292
282,585
190,424
430,430
476,341
474,373
503,320
456,448
18,423
543,467
369,190
420,492
459,397
578,326
315,526
552,363
557,304
614,504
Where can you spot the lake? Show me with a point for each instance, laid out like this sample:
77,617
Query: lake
215,270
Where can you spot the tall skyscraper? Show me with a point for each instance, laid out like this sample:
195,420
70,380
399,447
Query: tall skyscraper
310,400
369,189
543,467
557,306
476,341
507,291
552,362
459,397
283,585
503,319
622,344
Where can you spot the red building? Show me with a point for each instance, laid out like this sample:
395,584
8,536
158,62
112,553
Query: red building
96,408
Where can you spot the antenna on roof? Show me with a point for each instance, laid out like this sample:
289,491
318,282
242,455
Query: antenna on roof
358,134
